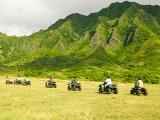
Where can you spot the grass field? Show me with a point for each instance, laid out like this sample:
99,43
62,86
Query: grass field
39,103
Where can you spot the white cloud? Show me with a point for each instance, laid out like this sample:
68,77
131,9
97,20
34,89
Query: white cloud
23,17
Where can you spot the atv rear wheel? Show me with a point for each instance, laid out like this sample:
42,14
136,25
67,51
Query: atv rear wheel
80,88
46,85
55,86
99,90
115,91
68,88
145,92
132,92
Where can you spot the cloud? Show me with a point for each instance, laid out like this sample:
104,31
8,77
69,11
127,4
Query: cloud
23,17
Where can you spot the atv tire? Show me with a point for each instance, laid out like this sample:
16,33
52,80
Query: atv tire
132,92
145,92
138,92
80,88
115,91
108,91
99,90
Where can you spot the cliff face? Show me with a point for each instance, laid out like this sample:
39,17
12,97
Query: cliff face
124,35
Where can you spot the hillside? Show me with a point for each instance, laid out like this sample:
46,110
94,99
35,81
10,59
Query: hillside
122,40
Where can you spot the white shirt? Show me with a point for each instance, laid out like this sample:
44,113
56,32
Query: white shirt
108,81
140,83
27,79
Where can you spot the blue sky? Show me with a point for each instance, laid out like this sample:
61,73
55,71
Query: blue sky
23,17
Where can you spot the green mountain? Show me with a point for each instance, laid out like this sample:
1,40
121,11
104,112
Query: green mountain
122,40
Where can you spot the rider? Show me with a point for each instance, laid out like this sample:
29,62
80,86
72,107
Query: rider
17,78
26,79
74,81
7,80
139,83
108,81
50,80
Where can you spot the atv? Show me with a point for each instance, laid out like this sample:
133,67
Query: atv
8,82
50,84
108,89
138,91
26,83
18,82
74,87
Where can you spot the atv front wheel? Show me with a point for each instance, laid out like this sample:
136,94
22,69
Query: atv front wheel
132,92
108,91
138,92
115,91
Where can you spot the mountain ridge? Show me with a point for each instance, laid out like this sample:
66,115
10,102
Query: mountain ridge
119,40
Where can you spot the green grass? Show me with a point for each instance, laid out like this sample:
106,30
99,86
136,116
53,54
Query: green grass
39,103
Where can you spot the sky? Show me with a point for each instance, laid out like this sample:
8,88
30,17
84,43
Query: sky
24,17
